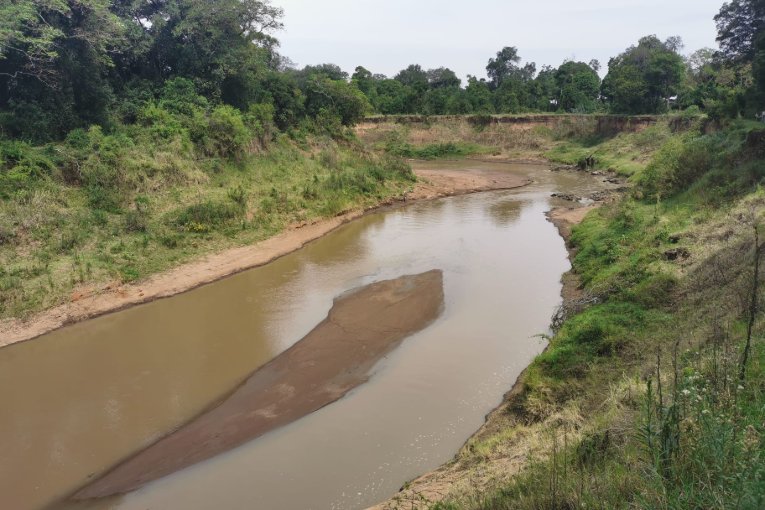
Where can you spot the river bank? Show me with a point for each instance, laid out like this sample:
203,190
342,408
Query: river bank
463,474
99,301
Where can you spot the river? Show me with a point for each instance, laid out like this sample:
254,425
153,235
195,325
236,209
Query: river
78,400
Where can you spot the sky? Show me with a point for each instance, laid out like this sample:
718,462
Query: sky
386,36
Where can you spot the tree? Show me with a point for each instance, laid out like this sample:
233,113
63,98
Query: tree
282,92
223,45
758,71
65,63
55,57
413,76
578,85
503,66
738,25
331,71
391,97
37,36
478,95
443,78
642,79
337,97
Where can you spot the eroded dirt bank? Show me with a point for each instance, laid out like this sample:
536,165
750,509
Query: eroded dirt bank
362,327
110,298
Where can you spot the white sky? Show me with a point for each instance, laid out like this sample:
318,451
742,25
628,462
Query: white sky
385,36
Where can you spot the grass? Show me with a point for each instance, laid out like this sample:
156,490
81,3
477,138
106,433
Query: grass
569,140
446,150
101,209
625,153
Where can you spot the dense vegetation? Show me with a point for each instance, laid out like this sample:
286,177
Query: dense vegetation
137,135
648,78
68,64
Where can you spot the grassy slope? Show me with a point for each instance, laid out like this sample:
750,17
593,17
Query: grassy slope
117,208
671,268
625,153
568,142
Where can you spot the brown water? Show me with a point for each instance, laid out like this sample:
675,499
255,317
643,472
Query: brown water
80,399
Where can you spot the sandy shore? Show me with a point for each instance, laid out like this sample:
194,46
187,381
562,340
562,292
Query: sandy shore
362,327
111,298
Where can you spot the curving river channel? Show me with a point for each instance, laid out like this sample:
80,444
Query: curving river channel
79,400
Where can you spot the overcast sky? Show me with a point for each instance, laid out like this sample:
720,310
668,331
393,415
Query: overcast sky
385,36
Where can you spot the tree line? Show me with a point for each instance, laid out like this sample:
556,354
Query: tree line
66,64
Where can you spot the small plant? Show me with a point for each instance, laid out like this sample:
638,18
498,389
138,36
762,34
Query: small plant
238,195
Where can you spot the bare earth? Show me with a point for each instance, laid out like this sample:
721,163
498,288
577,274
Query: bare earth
432,184
362,327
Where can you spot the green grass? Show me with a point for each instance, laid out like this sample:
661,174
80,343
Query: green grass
625,153
445,150
102,208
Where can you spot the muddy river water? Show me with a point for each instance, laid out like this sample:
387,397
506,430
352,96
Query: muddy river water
75,402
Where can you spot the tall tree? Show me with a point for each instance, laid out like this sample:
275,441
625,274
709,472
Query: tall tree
54,59
503,66
578,87
738,25
413,76
443,78
642,79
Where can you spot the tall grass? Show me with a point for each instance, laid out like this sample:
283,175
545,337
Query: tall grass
107,207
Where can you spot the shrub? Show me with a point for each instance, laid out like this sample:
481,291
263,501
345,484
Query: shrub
238,195
22,166
224,133
260,121
179,96
205,216
432,151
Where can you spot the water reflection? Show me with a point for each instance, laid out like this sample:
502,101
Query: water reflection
505,212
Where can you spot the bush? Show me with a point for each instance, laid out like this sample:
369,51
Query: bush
260,121
179,96
161,123
432,151
223,133
22,166
203,217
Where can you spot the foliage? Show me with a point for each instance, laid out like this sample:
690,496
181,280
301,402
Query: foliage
433,151
579,86
642,79
739,24
123,205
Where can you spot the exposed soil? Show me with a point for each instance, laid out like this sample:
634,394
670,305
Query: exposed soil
362,327
110,298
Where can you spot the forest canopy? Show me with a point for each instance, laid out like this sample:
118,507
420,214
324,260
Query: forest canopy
68,64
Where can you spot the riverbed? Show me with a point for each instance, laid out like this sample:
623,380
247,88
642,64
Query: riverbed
81,399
